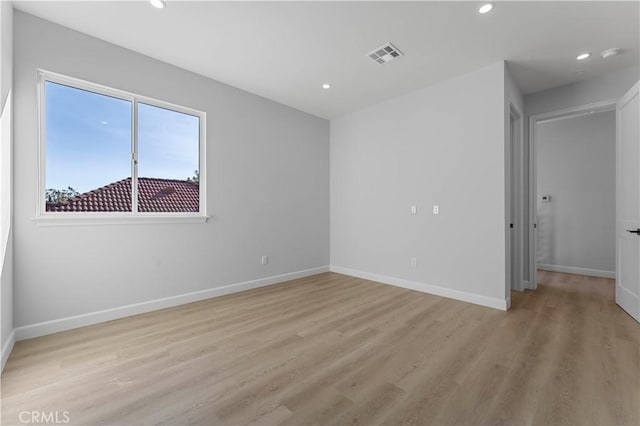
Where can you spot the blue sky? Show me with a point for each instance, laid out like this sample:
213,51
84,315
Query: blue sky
88,140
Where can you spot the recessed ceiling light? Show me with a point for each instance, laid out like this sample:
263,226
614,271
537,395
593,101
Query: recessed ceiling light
583,56
326,86
159,4
104,122
485,8
610,52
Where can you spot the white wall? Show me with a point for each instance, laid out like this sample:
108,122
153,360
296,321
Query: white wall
6,49
267,189
576,166
440,145
605,87
6,239
513,94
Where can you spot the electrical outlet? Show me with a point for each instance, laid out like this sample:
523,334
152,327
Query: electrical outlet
436,209
265,260
414,262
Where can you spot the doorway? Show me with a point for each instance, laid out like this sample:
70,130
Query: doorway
575,197
624,201
548,224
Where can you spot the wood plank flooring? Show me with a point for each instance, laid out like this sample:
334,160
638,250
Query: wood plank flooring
337,350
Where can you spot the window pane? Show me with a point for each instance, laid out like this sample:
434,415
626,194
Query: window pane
168,160
88,151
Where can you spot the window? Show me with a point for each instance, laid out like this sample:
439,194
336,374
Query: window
108,153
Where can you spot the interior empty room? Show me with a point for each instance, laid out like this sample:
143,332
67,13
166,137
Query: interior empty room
319,212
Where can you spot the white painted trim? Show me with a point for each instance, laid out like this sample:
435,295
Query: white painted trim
533,206
626,98
517,232
599,107
104,219
576,111
90,318
575,270
491,302
7,348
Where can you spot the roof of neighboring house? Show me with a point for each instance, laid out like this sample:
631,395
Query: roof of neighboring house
154,195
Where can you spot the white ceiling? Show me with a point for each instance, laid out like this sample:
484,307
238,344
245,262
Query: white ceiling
284,51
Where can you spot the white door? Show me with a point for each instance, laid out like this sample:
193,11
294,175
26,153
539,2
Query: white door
628,203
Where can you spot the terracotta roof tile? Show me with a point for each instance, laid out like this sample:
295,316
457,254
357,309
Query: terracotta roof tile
154,195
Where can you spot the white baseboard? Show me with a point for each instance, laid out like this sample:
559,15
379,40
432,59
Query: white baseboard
62,324
491,302
579,271
7,348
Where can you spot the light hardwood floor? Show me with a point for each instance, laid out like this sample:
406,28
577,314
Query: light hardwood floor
337,350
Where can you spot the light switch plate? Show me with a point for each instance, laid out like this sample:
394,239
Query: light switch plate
414,209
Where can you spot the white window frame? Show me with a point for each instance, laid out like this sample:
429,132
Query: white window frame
46,218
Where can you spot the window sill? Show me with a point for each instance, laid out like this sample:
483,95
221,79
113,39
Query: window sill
68,220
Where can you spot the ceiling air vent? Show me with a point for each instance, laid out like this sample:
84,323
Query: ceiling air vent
385,53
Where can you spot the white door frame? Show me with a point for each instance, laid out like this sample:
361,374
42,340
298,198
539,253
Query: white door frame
534,120
516,178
